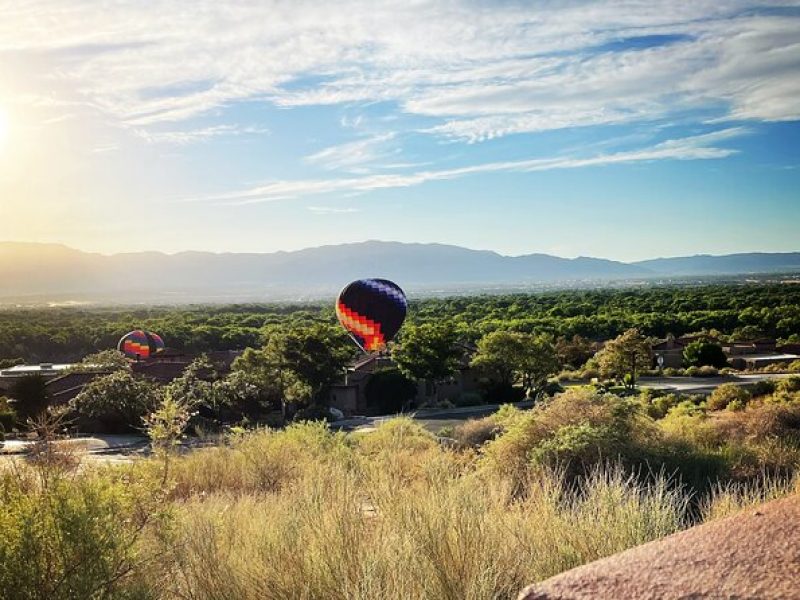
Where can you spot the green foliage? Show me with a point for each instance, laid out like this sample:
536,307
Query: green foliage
700,353
115,403
625,355
104,360
73,536
509,357
428,352
726,393
166,424
389,391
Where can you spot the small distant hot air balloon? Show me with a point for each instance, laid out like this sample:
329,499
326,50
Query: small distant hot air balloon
372,311
140,344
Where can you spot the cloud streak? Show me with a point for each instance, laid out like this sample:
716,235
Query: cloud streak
699,147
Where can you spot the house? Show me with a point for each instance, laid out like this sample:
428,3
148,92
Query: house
9,377
349,395
760,346
64,388
753,362
671,349
169,364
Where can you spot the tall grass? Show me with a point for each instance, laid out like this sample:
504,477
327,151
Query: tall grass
307,513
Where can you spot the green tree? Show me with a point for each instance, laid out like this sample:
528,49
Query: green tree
701,353
105,360
625,355
574,351
389,391
296,366
428,352
509,357
194,388
116,402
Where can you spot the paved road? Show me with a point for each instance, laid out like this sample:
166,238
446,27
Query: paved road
705,385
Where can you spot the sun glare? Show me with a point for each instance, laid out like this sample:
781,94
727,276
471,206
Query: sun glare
3,127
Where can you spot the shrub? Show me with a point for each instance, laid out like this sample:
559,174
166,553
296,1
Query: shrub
578,417
787,386
725,394
115,403
475,432
73,536
707,371
658,407
794,366
673,372
763,388
702,353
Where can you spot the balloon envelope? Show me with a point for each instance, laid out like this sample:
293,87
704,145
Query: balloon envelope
140,344
372,311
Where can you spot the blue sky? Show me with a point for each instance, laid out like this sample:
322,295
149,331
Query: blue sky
625,130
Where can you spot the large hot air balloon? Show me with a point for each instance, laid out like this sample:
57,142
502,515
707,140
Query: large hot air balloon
140,344
372,311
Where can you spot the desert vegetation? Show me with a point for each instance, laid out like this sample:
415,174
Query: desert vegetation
305,512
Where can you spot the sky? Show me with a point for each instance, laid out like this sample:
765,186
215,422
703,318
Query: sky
617,129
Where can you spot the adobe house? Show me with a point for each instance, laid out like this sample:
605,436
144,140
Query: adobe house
671,349
349,397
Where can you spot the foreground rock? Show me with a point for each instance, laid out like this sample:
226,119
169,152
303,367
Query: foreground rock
754,554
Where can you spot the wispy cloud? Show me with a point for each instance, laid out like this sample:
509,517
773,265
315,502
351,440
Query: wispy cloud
333,210
477,73
699,147
188,136
353,155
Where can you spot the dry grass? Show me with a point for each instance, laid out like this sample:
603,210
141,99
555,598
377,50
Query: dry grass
306,513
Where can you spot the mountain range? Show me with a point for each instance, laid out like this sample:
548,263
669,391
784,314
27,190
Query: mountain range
31,270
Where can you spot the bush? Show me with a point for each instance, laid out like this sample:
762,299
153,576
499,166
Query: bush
763,388
704,353
115,403
794,366
673,372
725,394
475,432
73,536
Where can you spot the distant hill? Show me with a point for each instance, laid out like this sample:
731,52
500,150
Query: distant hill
52,270
729,264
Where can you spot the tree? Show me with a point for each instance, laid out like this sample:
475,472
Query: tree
194,388
105,360
297,366
389,391
30,397
625,355
575,351
509,357
701,353
116,402
428,352
539,361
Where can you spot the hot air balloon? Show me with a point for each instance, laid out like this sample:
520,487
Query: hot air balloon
140,344
372,311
